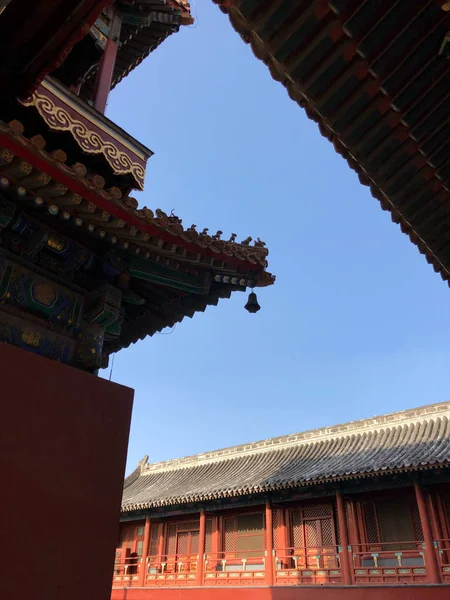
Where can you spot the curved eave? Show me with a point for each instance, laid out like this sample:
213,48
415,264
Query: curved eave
138,42
412,216
261,489
139,228
167,315
406,441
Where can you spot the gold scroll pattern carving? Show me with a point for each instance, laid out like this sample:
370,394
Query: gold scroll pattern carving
89,141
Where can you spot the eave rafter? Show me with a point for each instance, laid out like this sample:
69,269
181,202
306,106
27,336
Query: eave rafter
360,96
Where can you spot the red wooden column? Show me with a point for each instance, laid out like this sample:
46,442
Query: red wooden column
269,544
143,565
342,523
161,542
282,534
105,75
435,522
215,537
441,513
215,543
354,529
431,563
201,547
352,524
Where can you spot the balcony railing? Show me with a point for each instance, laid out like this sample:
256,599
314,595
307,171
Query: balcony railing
171,569
443,551
126,572
395,563
294,566
224,568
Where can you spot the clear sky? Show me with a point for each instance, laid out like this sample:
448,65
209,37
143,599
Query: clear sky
357,323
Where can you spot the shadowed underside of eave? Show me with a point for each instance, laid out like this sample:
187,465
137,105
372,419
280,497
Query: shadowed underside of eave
371,75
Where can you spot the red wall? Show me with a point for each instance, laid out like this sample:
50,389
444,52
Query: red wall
63,444
293,593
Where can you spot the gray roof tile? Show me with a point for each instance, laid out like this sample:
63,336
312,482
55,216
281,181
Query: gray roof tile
409,439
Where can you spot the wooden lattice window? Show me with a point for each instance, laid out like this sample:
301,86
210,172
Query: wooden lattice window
182,538
187,542
371,524
274,528
445,503
171,543
125,535
139,545
244,535
208,535
188,526
229,535
132,537
155,534
392,521
417,524
336,523
298,538
312,527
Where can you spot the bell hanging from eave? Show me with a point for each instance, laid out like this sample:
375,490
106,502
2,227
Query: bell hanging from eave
252,303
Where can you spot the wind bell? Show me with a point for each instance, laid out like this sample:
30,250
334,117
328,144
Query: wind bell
252,303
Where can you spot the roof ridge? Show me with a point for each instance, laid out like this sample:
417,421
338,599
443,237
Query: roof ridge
404,417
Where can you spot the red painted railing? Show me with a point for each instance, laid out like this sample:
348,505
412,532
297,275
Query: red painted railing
126,572
393,562
170,570
167,570
295,566
225,568
443,552
386,563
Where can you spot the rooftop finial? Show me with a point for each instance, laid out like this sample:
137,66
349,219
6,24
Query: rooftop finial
143,462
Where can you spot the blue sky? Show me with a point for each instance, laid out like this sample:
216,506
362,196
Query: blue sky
357,323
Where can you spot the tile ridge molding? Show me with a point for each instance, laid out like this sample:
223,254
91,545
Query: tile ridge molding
375,424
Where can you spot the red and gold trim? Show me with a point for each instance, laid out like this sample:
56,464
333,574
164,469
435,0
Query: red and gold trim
93,136
118,219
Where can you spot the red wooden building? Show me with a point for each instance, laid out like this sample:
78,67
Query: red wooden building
365,505
84,272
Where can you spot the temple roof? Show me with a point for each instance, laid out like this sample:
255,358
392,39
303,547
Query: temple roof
408,440
150,270
374,76
140,225
145,25
148,25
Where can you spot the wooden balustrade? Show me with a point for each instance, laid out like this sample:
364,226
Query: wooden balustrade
223,568
387,563
295,566
442,548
